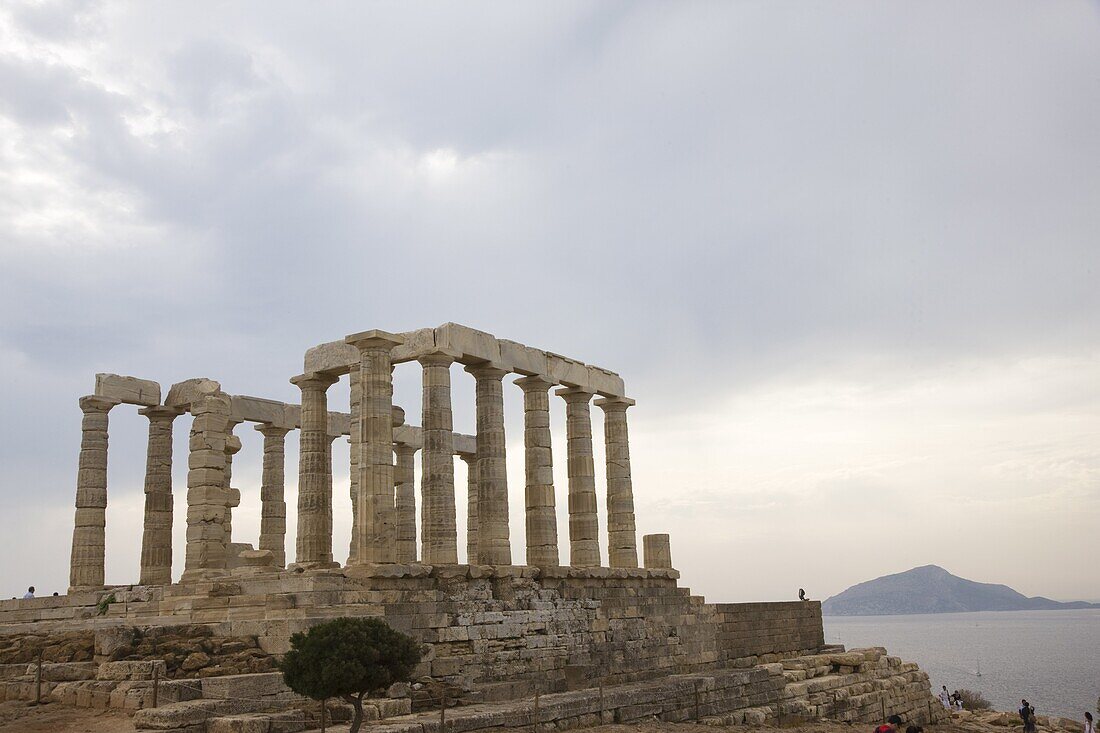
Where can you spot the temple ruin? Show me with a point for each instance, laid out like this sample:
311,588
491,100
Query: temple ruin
494,629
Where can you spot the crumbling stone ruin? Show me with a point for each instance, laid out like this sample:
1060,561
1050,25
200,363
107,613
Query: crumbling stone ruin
535,644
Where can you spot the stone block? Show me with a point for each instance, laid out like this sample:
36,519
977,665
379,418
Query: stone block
183,394
132,670
474,345
417,343
570,372
335,357
257,409
523,359
131,390
606,383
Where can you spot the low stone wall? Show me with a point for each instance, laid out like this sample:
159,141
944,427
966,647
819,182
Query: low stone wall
760,633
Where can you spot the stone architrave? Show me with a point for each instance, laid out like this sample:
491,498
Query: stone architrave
541,515
376,524
314,541
438,530
353,460
622,542
584,543
656,551
493,546
470,459
405,502
205,553
156,535
272,493
86,566
232,496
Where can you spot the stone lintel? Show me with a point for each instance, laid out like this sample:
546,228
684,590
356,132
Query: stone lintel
183,394
130,390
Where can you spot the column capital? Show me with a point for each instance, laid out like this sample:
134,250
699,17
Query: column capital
439,357
487,370
614,404
535,384
575,394
271,431
97,403
314,380
374,340
160,412
232,444
469,458
404,449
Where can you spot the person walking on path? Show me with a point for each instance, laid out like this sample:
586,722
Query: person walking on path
945,698
29,593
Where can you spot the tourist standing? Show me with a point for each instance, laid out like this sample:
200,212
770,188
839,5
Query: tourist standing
29,593
1089,726
945,698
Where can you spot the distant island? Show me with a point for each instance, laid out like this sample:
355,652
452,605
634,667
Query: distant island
931,589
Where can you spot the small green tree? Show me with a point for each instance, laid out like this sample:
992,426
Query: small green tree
349,658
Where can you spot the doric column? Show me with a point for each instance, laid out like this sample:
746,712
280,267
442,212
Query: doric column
232,495
353,460
470,459
206,492
622,542
314,541
86,565
493,547
405,502
438,531
376,523
656,551
156,535
272,487
542,520
584,543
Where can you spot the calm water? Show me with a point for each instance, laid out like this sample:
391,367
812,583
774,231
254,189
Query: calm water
1052,658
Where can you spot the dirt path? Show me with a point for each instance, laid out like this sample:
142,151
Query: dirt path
17,716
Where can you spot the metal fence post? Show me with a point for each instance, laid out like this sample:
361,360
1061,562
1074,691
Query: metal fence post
38,680
156,682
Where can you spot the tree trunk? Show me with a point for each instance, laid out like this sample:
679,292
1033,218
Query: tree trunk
357,719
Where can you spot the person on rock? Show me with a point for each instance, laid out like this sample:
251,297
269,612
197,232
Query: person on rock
892,725
945,698
1089,726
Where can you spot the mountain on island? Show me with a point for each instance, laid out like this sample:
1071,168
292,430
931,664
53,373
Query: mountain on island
931,589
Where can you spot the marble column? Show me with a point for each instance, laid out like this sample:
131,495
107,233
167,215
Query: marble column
314,540
438,531
541,516
86,565
232,496
206,493
376,524
156,535
584,543
493,546
470,459
656,551
272,488
622,541
353,460
405,502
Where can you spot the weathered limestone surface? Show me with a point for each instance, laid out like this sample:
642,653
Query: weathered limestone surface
314,540
353,454
584,544
156,536
272,493
438,541
405,503
376,525
622,543
657,552
232,495
206,486
493,547
541,516
470,459
129,390
86,567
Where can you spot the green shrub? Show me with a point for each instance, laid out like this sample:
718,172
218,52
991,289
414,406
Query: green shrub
973,700
349,658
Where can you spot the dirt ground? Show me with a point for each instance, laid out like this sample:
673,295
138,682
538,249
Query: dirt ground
17,716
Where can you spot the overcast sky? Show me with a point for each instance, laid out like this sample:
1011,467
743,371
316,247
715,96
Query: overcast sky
845,255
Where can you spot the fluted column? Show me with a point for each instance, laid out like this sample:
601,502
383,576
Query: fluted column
470,459
584,543
314,541
405,502
272,488
206,492
541,516
622,541
86,565
376,523
156,535
353,460
493,546
438,531
232,495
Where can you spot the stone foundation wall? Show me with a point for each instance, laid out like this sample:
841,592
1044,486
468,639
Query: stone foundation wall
760,633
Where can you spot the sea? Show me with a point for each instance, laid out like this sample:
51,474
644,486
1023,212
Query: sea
1049,658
